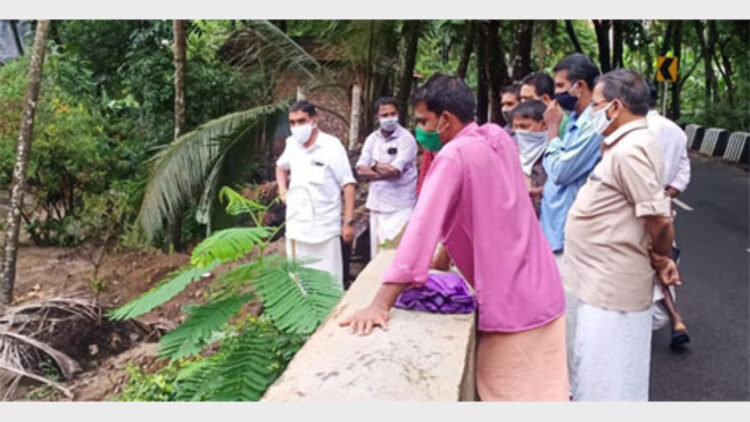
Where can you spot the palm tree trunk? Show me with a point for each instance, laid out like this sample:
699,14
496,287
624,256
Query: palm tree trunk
356,115
25,136
411,38
179,76
173,238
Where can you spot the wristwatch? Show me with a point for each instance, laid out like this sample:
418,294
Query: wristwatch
349,222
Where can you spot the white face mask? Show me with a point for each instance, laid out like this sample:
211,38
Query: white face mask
389,124
302,132
599,120
531,146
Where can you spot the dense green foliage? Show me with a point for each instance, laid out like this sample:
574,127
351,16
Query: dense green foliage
253,352
106,105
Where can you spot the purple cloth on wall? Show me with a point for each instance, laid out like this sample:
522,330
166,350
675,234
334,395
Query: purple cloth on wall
443,293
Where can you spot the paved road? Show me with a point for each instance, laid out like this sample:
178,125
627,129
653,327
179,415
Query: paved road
715,297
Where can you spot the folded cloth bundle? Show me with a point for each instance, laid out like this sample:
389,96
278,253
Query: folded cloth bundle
443,293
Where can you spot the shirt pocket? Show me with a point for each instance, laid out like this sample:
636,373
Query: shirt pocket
387,153
316,172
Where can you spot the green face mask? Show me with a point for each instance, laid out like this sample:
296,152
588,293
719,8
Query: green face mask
429,139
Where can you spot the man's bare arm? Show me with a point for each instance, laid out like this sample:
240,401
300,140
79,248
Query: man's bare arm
661,232
282,180
387,171
367,173
442,260
347,231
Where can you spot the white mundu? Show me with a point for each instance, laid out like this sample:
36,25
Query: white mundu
386,226
313,204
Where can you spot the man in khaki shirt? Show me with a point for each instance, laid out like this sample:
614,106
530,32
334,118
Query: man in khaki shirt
618,236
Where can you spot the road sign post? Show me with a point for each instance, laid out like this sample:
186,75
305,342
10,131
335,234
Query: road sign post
666,71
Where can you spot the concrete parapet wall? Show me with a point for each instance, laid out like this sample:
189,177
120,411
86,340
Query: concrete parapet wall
422,356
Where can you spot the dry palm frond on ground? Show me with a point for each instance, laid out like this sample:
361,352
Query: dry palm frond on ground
68,331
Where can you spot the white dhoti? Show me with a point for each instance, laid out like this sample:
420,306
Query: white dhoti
570,314
660,315
611,354
327,255
385,226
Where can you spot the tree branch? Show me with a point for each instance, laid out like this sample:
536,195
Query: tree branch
572,34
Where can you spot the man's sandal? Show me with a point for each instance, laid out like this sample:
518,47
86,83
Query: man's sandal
680,337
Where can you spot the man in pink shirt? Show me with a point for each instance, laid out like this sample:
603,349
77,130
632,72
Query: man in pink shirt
475,201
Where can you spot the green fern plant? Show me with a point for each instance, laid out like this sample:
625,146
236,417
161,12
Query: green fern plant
253,352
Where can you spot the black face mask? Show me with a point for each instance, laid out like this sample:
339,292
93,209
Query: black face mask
566,100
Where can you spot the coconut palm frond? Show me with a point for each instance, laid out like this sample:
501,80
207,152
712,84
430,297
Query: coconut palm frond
267,44
181,169
263,43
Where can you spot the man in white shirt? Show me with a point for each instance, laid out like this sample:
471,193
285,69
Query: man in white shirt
388,161
673,144
320,170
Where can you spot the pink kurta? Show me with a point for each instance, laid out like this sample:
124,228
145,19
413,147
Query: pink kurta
475,201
